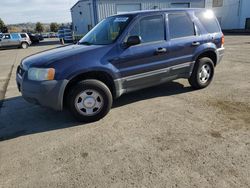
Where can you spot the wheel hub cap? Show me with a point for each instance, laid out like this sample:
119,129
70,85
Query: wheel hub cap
204,74
89,102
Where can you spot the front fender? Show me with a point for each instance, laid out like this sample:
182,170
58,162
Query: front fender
76,73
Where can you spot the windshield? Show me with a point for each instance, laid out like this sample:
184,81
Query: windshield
106,32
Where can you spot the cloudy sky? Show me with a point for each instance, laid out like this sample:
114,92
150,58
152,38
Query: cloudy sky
46,11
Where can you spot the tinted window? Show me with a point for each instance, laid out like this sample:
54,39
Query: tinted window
180,25
23,36
209,23
149,29
15,36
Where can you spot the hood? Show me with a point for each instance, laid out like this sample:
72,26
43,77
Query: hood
45,58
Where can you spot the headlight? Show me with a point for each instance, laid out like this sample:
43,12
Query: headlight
39,74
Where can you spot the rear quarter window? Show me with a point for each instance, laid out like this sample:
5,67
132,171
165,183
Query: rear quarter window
209,23
23,36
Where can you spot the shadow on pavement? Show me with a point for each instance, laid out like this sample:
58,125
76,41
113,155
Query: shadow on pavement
19,118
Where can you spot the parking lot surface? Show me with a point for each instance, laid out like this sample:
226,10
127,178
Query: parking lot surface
165,136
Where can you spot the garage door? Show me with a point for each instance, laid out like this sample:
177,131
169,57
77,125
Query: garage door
121,8
180,5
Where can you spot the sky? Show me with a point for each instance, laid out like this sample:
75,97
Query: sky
45,11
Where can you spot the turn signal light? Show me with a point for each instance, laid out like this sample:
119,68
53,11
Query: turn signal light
222,40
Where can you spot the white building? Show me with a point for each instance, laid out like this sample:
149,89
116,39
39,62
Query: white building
232,14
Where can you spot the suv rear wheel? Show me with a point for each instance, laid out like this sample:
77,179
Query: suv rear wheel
24,45
90,100
202,74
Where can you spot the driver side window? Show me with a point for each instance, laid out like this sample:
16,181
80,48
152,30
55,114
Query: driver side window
150,29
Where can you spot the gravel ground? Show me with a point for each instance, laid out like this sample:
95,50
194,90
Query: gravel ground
166,136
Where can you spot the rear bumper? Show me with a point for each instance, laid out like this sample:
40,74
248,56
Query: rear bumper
220,53
45,93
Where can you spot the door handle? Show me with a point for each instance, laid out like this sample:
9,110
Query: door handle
161,51
196,43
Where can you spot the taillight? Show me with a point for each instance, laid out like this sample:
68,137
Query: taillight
222,40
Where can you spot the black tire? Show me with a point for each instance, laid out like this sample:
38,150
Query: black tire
86,85
24,45
195,80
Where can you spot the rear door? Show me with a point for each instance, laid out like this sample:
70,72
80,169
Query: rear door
138,64
15,39
184,40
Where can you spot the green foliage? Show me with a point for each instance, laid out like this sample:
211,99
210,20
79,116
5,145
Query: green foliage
54,27
39,27
3,28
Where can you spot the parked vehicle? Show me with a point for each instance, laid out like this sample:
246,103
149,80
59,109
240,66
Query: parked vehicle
45,35
15,40
65,34
1,35
52,35
40,36
124,53
34,38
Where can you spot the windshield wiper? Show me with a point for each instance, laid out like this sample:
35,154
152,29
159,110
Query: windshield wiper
85,43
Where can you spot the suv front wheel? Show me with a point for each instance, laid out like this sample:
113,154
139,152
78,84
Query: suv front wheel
202,74
90,100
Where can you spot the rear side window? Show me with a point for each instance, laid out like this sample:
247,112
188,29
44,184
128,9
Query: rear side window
150,29
180,25
209,22
15,36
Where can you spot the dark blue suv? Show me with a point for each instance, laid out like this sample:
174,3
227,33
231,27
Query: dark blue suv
124,53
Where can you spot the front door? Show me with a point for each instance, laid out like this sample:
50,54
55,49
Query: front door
6,40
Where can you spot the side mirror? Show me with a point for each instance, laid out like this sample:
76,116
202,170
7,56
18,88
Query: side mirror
133,40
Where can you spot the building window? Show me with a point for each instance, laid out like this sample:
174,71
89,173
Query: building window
217,3
122,8
180,5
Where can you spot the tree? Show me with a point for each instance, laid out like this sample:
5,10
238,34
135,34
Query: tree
39,27
54,27
3,28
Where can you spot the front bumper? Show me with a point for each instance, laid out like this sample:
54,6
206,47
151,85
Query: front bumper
45,93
